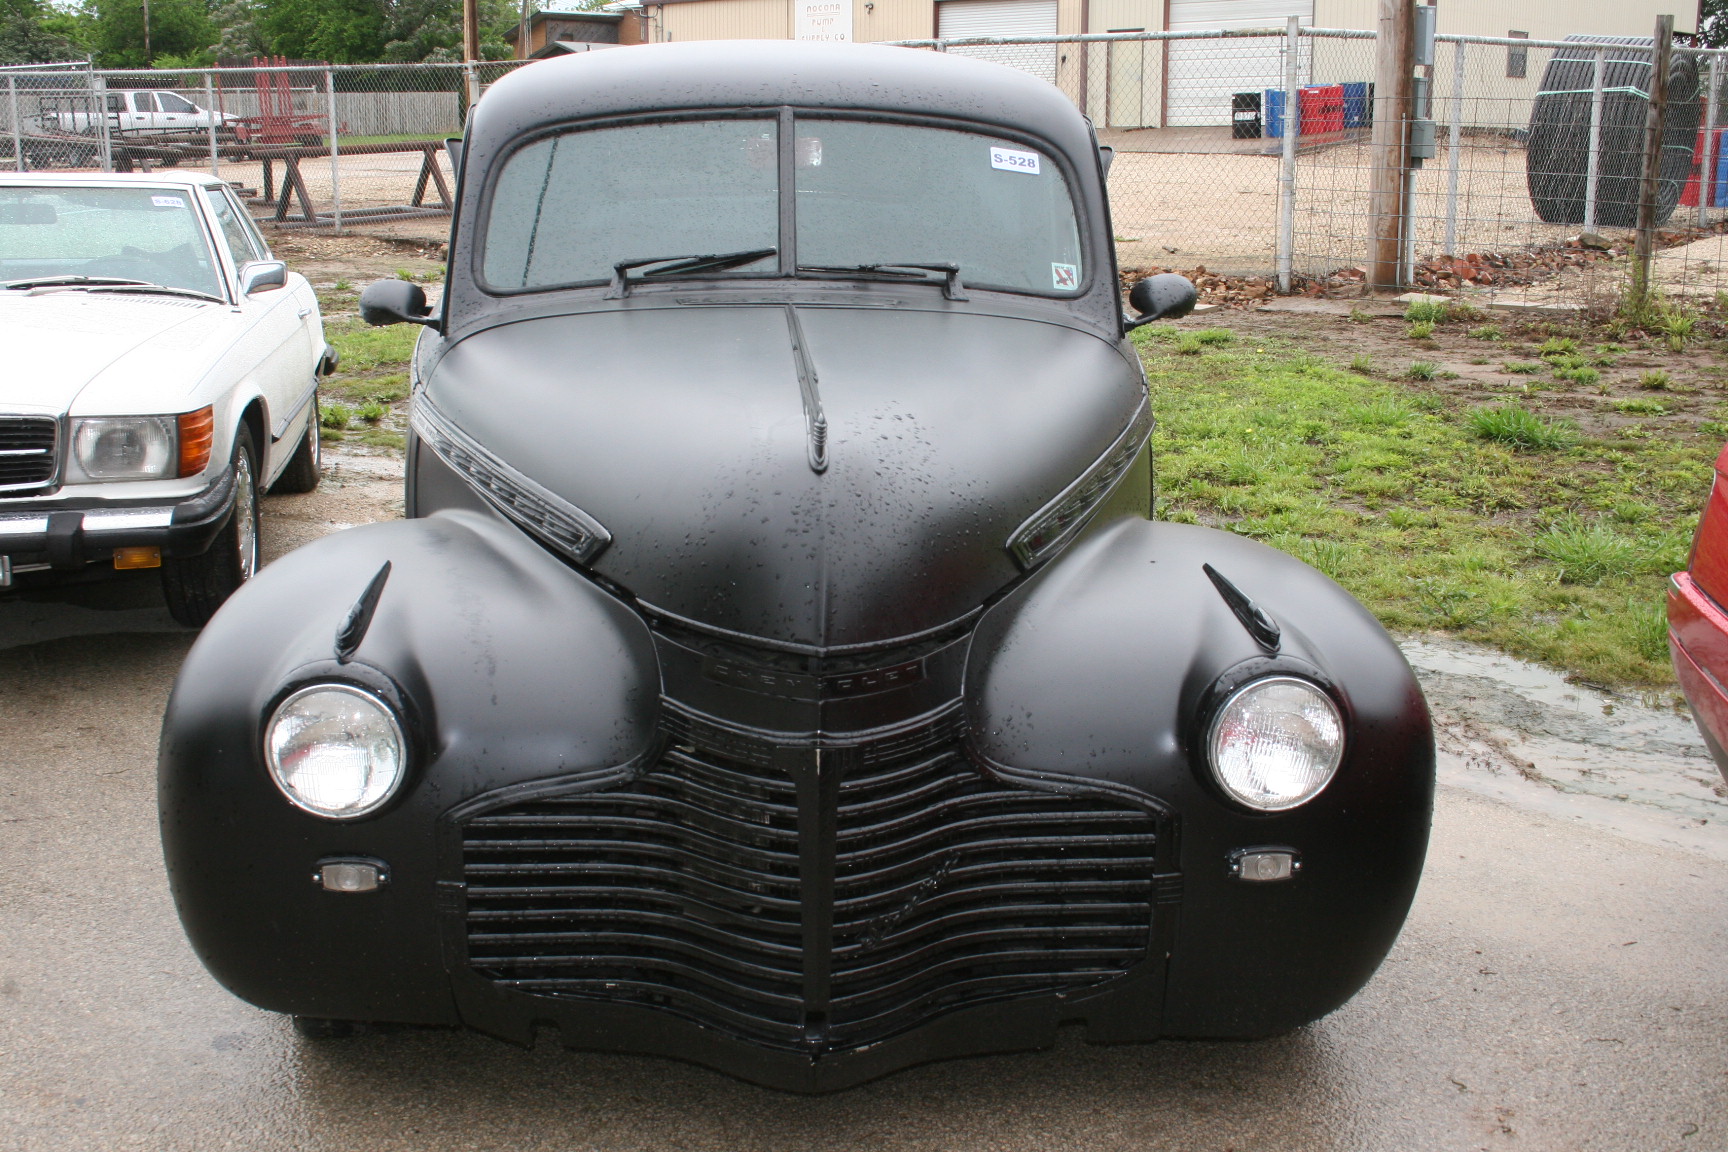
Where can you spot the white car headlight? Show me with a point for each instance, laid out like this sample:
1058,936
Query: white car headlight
126,447
1275,743
335,750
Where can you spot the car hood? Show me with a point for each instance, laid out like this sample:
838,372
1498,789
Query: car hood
684,431
103,353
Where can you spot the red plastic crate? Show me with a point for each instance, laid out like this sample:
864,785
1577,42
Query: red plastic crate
1322,108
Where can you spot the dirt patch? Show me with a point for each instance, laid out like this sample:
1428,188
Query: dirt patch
1474,369
359,260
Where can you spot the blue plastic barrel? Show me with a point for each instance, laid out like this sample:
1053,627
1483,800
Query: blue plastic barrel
1272,112
1358,111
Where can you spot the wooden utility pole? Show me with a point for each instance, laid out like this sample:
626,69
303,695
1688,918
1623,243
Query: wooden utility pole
1394,91
470,30
1655,119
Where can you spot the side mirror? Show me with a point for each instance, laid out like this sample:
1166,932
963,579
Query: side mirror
262,276
394,302
1106,157
453,145
1165,296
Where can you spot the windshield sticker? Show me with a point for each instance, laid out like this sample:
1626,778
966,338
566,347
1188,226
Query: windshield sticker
1066,276
168,201
1009,160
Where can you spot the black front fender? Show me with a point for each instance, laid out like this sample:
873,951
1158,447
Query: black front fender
1105,666
507,666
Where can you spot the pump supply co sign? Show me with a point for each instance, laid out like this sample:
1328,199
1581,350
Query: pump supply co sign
829,20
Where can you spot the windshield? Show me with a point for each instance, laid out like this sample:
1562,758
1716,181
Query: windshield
132,233
872,198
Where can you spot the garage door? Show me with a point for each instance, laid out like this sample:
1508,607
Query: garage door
1204,73
957,18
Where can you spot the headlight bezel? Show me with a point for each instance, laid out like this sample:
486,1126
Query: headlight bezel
377,691
1232,686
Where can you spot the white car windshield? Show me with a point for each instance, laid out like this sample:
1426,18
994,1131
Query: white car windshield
698,197
138,233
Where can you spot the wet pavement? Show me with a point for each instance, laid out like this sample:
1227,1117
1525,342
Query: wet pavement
1562,982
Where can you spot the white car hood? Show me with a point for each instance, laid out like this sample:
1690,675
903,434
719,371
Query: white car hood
105,353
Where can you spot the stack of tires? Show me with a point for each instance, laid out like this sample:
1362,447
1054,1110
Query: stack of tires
1558,154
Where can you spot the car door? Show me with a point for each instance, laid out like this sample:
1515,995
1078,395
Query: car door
175,113
277,340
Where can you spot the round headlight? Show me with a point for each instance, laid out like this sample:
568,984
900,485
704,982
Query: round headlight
335,750
1276,743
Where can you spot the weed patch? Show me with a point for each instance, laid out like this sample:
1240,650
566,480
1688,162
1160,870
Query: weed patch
1500,524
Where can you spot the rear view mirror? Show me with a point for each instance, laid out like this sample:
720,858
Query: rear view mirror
394,302
1165,296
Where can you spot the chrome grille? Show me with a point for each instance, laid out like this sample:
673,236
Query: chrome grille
27,454
686,889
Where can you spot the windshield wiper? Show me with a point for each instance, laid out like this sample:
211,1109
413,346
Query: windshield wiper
68,281
681,265
144,287
899,270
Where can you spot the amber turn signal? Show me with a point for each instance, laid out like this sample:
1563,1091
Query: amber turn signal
197,432
139,557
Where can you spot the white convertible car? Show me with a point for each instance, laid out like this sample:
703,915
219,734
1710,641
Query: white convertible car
161,369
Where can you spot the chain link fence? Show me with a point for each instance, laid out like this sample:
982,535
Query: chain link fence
1242,157
306,145
1246,155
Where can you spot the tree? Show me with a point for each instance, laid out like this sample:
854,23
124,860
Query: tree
178,28
335,31
1713,23
25,38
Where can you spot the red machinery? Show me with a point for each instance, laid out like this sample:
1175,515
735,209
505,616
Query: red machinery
277,122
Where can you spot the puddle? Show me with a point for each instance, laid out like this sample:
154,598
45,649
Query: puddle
1522,734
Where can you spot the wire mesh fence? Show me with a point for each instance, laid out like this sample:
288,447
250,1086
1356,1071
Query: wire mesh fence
306,145
1240,156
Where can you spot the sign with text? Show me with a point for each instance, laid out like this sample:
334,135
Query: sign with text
829,20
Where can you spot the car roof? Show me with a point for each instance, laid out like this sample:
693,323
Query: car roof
773,73
171,176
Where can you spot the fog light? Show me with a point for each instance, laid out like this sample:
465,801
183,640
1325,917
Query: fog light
351,875
137,558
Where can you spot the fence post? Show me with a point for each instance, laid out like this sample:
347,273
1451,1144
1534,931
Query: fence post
1394,88
17,132
335,155
1457,130
1707,163
1287,161
1655,119
99,85
210,106
1592,162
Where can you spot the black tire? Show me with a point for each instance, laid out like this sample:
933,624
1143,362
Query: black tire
307,463
195,586
320,1028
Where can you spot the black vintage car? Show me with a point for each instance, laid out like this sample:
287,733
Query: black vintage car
779,668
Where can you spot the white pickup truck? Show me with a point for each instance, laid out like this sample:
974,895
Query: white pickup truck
133,112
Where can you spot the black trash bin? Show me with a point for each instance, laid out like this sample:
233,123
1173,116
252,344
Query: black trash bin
1245,116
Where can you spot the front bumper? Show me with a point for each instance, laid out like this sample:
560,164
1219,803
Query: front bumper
38,537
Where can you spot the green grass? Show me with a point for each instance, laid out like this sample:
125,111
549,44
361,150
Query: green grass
1421,329
1485,332
335,417
1557,554
1422,370
1518,428
1655,380
1520,367
1427,312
